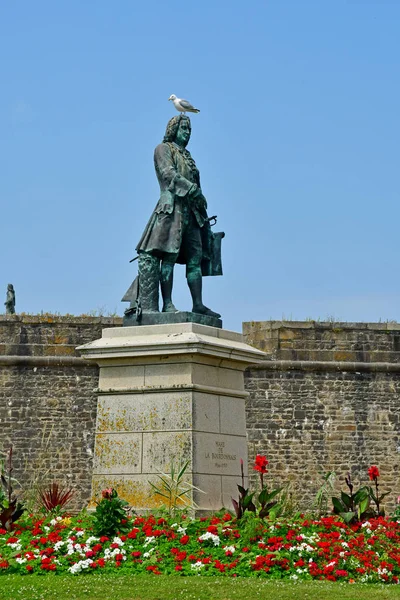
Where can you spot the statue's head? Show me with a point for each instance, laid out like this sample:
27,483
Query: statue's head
178,130
10,287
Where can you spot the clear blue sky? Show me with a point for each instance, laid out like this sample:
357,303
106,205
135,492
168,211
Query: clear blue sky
297,143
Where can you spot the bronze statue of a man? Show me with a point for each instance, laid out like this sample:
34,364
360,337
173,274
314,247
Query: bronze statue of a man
179,229
10,300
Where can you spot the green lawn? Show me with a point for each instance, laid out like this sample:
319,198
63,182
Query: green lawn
124,587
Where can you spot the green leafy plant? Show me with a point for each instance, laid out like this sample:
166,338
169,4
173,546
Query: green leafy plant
324,493
174,489
356,506
54,497
269,502
396,514
375,495
10,509
110,514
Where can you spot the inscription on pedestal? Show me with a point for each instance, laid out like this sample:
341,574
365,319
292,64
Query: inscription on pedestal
219,455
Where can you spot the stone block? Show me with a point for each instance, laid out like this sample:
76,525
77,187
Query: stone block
117,453
160,449
168,375
233,415
121,377
155,411
206,412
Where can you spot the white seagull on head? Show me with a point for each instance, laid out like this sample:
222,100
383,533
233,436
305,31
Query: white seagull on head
182,105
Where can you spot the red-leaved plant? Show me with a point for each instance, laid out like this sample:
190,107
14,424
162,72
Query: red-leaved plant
54,497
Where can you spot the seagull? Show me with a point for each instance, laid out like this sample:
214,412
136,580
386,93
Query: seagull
182,105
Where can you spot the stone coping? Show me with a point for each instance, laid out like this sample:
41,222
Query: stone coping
182,338
64,319
325,365
329,325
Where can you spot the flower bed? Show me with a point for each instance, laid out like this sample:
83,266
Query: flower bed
304,549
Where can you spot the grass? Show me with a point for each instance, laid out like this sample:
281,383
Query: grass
125,587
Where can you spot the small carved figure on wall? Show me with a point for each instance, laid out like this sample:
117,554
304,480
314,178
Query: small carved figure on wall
10,300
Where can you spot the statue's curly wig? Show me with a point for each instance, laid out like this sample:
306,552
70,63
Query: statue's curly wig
172,127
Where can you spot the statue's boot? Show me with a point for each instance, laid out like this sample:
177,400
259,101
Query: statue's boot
196,290
166,281
149,282
203,310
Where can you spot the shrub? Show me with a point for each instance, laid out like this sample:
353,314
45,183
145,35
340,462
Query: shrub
110,514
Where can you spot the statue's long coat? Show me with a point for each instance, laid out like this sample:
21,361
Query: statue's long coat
178,177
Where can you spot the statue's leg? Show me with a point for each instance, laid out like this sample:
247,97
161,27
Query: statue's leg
149,282
167,280
194,253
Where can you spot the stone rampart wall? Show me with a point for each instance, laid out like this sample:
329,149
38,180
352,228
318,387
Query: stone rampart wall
327,399
48,399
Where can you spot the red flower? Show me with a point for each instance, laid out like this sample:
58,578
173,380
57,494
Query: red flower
132,534
29,568
184,540
136,554
178,568
373,473
260,464
119,557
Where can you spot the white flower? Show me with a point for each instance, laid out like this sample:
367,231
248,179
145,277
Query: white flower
17,546
55,521
181,529
58,545
210,536
82,564
149,540
331,564
21,561
345,545
118,541
197,566
294,577
92,539
147,554
79,533
229,549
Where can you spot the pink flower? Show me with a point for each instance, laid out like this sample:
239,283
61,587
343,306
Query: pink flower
107,493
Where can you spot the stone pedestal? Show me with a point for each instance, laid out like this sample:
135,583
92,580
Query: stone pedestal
170,393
